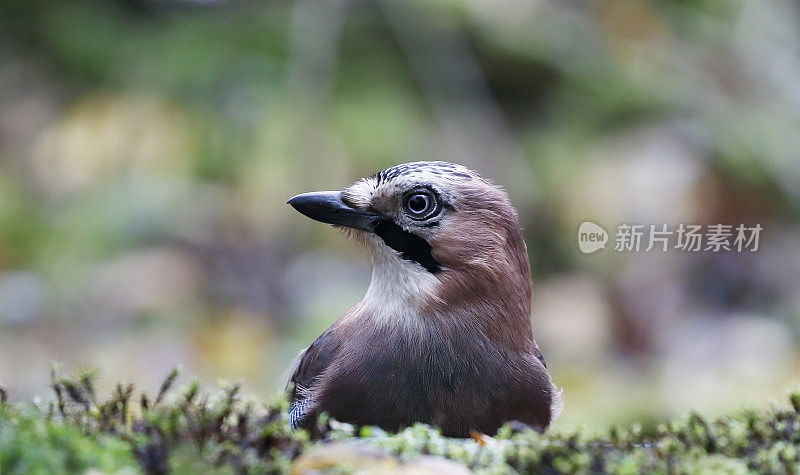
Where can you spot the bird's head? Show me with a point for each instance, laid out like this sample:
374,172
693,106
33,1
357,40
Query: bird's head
441,237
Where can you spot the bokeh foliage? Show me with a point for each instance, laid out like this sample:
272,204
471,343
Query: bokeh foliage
147,149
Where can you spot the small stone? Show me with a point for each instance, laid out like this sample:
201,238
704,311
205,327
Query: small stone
365,460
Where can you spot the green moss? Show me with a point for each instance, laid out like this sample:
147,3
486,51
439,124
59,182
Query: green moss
193,430
31,442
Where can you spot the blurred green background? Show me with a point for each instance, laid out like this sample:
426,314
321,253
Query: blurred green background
147,148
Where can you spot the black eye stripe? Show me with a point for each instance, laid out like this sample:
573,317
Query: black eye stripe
410,246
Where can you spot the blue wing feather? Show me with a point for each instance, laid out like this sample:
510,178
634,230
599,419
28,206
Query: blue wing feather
298,412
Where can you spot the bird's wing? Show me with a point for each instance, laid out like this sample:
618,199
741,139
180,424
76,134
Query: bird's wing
310,364
288,373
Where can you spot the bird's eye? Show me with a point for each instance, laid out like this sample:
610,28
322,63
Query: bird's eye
417,204
421,204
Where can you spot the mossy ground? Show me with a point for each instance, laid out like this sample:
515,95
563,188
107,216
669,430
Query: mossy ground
191,430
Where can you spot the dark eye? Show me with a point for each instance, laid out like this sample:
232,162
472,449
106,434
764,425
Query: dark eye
417,204
421,204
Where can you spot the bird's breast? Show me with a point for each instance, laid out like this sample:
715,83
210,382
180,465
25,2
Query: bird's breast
399,376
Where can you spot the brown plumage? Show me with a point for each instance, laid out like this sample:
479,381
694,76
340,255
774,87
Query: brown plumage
443,334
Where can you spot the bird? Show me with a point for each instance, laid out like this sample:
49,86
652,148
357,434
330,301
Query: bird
443,335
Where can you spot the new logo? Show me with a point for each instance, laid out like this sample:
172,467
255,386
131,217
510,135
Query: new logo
591,237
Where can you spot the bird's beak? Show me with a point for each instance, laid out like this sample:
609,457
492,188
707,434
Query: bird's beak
328,207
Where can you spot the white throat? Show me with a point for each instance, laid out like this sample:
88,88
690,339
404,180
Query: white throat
399,288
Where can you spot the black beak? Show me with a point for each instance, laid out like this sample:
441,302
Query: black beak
328,207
